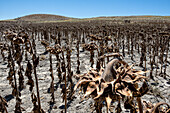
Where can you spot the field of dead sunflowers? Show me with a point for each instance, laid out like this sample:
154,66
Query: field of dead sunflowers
86,66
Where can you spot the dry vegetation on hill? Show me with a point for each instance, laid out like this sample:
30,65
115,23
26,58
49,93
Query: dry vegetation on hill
42,17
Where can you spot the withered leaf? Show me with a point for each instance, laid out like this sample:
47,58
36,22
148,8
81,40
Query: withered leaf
80,82
14,92
90,88
21,79
45,43
28,74
144,89
31,83
108,101
29,66
135,72
125,91
132,87
18,40
100,90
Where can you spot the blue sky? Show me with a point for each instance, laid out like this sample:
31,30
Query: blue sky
10,9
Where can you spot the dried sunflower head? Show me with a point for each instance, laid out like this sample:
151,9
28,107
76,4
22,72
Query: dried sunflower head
113,83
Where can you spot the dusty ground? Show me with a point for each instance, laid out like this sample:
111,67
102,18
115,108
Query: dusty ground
160,87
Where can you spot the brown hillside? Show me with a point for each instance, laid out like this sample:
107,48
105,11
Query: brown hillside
43,17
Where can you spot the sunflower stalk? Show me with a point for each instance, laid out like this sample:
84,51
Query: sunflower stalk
52,79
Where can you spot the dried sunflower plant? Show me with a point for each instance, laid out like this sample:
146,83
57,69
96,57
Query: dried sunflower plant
117,82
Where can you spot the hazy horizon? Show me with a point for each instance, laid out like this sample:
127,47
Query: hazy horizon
11,9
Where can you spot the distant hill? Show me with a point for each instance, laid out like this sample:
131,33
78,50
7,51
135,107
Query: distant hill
57,18
132,17
43,17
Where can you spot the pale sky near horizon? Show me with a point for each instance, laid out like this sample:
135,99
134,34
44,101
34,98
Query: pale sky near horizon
10,9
